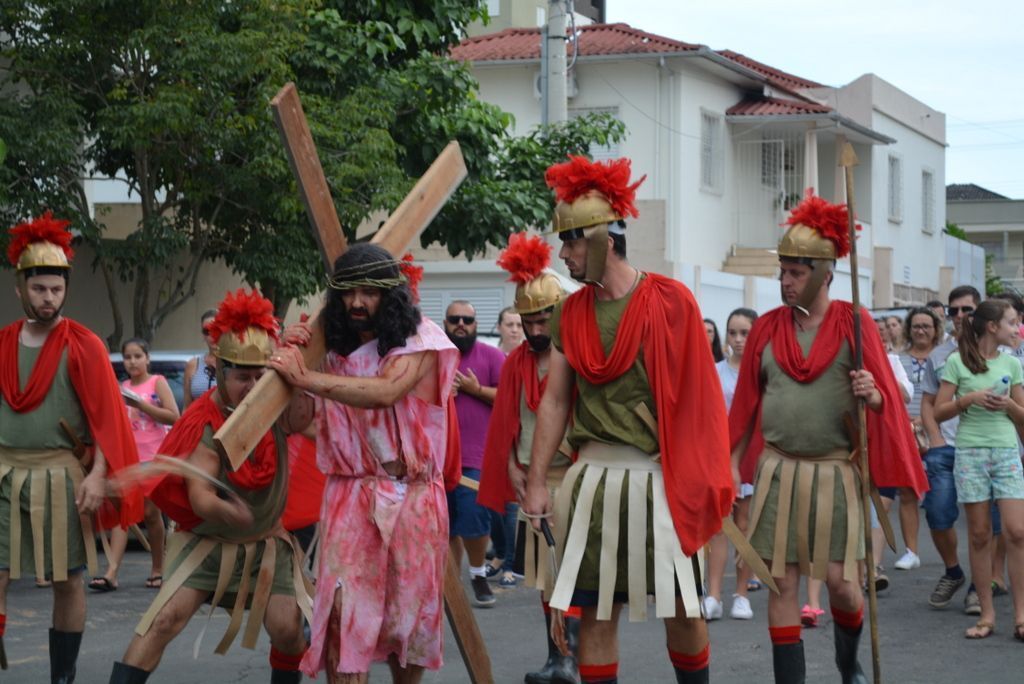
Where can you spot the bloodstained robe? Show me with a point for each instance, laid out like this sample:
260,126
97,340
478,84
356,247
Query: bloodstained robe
384,543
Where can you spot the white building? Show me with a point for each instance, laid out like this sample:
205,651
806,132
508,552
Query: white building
729,145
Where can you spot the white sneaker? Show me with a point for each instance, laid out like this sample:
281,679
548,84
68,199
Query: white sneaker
741,608
712,608
909,561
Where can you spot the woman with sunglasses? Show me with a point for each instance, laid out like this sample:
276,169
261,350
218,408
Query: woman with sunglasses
199,372
922,332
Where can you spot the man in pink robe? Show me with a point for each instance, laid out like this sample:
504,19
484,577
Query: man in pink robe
382,412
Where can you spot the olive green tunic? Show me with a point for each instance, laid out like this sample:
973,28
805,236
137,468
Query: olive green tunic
239,566
643,552
805,422
609,413
45,482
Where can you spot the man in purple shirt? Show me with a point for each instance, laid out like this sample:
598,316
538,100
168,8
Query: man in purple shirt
475,385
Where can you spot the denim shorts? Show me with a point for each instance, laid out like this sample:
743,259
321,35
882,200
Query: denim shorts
467,518
940,509
983,474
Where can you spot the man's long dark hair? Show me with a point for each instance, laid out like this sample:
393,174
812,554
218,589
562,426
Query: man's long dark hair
397,317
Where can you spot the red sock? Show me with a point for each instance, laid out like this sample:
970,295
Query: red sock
599,674
782,636
691,663
285,661
851,622
573,612
3,624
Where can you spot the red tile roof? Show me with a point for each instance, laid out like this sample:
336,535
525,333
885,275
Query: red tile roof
595,39
772,105
775,76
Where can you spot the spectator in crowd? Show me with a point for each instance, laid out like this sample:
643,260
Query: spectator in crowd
510,330
883,332
503,526
151,409
894,328
200,373
940,504
476,383
923,333
714,340
982,386
737,327
939,309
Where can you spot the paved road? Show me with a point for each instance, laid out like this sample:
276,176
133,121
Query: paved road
918,644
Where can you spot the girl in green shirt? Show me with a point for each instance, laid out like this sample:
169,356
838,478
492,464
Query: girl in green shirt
983,386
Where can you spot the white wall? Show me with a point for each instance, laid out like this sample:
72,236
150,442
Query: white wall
916,253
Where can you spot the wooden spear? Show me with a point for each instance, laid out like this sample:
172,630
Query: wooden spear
848,160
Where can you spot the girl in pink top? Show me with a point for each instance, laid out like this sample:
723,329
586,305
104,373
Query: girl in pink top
150,415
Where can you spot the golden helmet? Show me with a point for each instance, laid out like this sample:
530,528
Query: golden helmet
538,294
588,210
244,330
804,242
525,259
42,243
817,230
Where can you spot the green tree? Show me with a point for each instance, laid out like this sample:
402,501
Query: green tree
955,230
993,283
171,97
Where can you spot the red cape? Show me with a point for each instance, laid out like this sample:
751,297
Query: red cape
305,484
663,318
169,491
518,374
452,450
892,450
99,395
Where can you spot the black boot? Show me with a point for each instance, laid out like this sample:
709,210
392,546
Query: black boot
285,677
559,669
695,677
127,674
788,662
63,656
846,655
566,669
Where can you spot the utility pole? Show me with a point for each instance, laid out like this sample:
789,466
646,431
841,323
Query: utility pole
553,74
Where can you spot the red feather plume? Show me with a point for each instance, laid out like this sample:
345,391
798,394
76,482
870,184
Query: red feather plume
413,274
578,176
525,257
243,310
43,229
830,220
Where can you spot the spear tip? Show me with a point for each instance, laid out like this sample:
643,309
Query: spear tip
848,157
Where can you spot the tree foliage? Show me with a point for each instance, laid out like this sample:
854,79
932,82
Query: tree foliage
171,97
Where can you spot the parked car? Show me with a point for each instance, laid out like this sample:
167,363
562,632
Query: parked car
170,364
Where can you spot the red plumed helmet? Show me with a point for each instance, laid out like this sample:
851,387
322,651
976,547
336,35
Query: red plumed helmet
43,229
829,221
413,275
579,177
245,328
525,258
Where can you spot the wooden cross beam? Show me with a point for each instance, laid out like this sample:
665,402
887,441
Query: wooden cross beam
271,395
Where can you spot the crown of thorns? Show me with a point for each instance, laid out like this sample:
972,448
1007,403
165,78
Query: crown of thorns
359,276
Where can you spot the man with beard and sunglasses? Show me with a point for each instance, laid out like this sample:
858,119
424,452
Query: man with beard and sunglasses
387,441
510,436
475,386
59,408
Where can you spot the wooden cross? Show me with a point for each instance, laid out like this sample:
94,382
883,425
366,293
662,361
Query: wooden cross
271,395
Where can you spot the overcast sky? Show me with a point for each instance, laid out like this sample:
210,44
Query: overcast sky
964,58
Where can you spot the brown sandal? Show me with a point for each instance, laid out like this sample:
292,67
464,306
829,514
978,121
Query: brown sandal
1018,631
983,630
